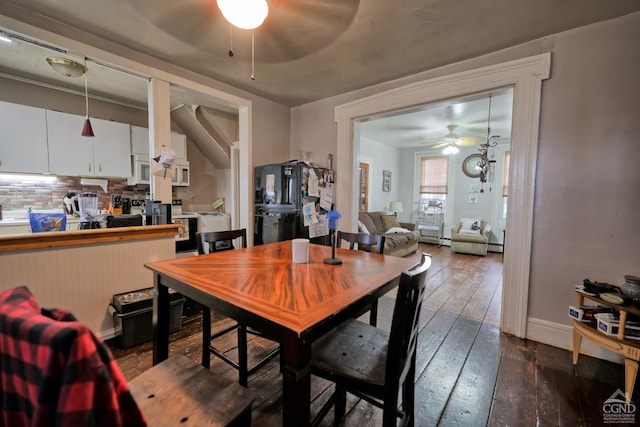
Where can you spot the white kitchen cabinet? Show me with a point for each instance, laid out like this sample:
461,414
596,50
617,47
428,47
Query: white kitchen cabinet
107,154
139,140
140,158
23,139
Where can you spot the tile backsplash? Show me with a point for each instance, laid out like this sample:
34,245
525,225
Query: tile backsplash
21,194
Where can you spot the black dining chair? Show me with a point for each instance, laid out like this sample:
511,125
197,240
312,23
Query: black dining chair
217,241
371,363
364,242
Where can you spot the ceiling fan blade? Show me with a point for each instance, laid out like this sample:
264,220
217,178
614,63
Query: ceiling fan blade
468,141
440,144
292,30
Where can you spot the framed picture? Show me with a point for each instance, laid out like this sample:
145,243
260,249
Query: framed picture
386,180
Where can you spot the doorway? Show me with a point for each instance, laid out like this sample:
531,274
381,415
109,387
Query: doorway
525,76
450,133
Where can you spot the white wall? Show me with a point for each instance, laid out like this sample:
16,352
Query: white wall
489,206
381,158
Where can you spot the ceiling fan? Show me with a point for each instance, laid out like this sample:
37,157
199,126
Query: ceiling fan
452,139
292,29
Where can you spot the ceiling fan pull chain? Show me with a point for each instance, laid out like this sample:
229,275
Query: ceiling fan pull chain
230,40
253,55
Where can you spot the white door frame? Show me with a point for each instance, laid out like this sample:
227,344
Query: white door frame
525,76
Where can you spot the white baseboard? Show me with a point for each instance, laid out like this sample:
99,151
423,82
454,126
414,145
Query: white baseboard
561,336
108,333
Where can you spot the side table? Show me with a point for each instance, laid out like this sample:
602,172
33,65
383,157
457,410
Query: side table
630,349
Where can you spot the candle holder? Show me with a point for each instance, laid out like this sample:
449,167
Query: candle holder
333,217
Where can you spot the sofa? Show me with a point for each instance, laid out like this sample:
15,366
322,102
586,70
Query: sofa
401,238
470,236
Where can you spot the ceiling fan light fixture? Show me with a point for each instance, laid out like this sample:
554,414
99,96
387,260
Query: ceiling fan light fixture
244,14
66,67
450,149
451,136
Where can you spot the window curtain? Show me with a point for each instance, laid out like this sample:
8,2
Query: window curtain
434,173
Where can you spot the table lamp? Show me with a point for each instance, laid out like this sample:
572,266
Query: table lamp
333,217
395,207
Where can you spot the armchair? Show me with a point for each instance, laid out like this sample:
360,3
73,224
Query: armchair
470,236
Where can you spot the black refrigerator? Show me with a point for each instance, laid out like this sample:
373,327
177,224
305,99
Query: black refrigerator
281,192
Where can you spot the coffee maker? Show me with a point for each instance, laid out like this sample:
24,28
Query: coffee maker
87,209
157,213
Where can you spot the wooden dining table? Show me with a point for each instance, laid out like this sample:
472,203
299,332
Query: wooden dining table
293,304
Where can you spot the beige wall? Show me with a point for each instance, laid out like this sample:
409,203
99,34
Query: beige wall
38,96
587,205
587,201
271,125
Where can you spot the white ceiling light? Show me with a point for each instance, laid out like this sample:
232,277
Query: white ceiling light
245,14
66,67
450,149
5,38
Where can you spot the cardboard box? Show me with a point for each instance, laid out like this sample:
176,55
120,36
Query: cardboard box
609,324
586,313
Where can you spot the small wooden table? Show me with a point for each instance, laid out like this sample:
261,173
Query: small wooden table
630,349
293,304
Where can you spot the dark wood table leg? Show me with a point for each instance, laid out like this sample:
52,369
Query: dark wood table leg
243,374
160,321
296,381
206,336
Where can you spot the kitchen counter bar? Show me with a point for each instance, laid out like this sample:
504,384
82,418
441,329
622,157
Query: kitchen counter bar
81,270
46,240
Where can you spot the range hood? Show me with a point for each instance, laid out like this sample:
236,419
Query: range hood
210,140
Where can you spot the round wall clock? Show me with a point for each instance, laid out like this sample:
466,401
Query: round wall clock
471,165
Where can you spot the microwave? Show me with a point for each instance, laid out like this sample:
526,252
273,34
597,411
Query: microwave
180,174
142,172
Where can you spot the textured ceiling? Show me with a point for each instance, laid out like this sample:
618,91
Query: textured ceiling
312,49
306,50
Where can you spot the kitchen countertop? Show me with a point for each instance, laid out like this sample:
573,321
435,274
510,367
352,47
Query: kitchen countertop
25,221
21,217
21,242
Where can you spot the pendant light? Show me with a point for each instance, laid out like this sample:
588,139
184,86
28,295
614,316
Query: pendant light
87,129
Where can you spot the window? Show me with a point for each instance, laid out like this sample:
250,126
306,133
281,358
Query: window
505,183
434,176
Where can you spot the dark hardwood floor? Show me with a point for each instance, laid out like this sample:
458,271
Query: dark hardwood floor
468,373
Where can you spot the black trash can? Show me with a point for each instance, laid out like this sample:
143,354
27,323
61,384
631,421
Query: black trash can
133,314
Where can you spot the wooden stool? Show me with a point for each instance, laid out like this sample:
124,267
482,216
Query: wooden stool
179,392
